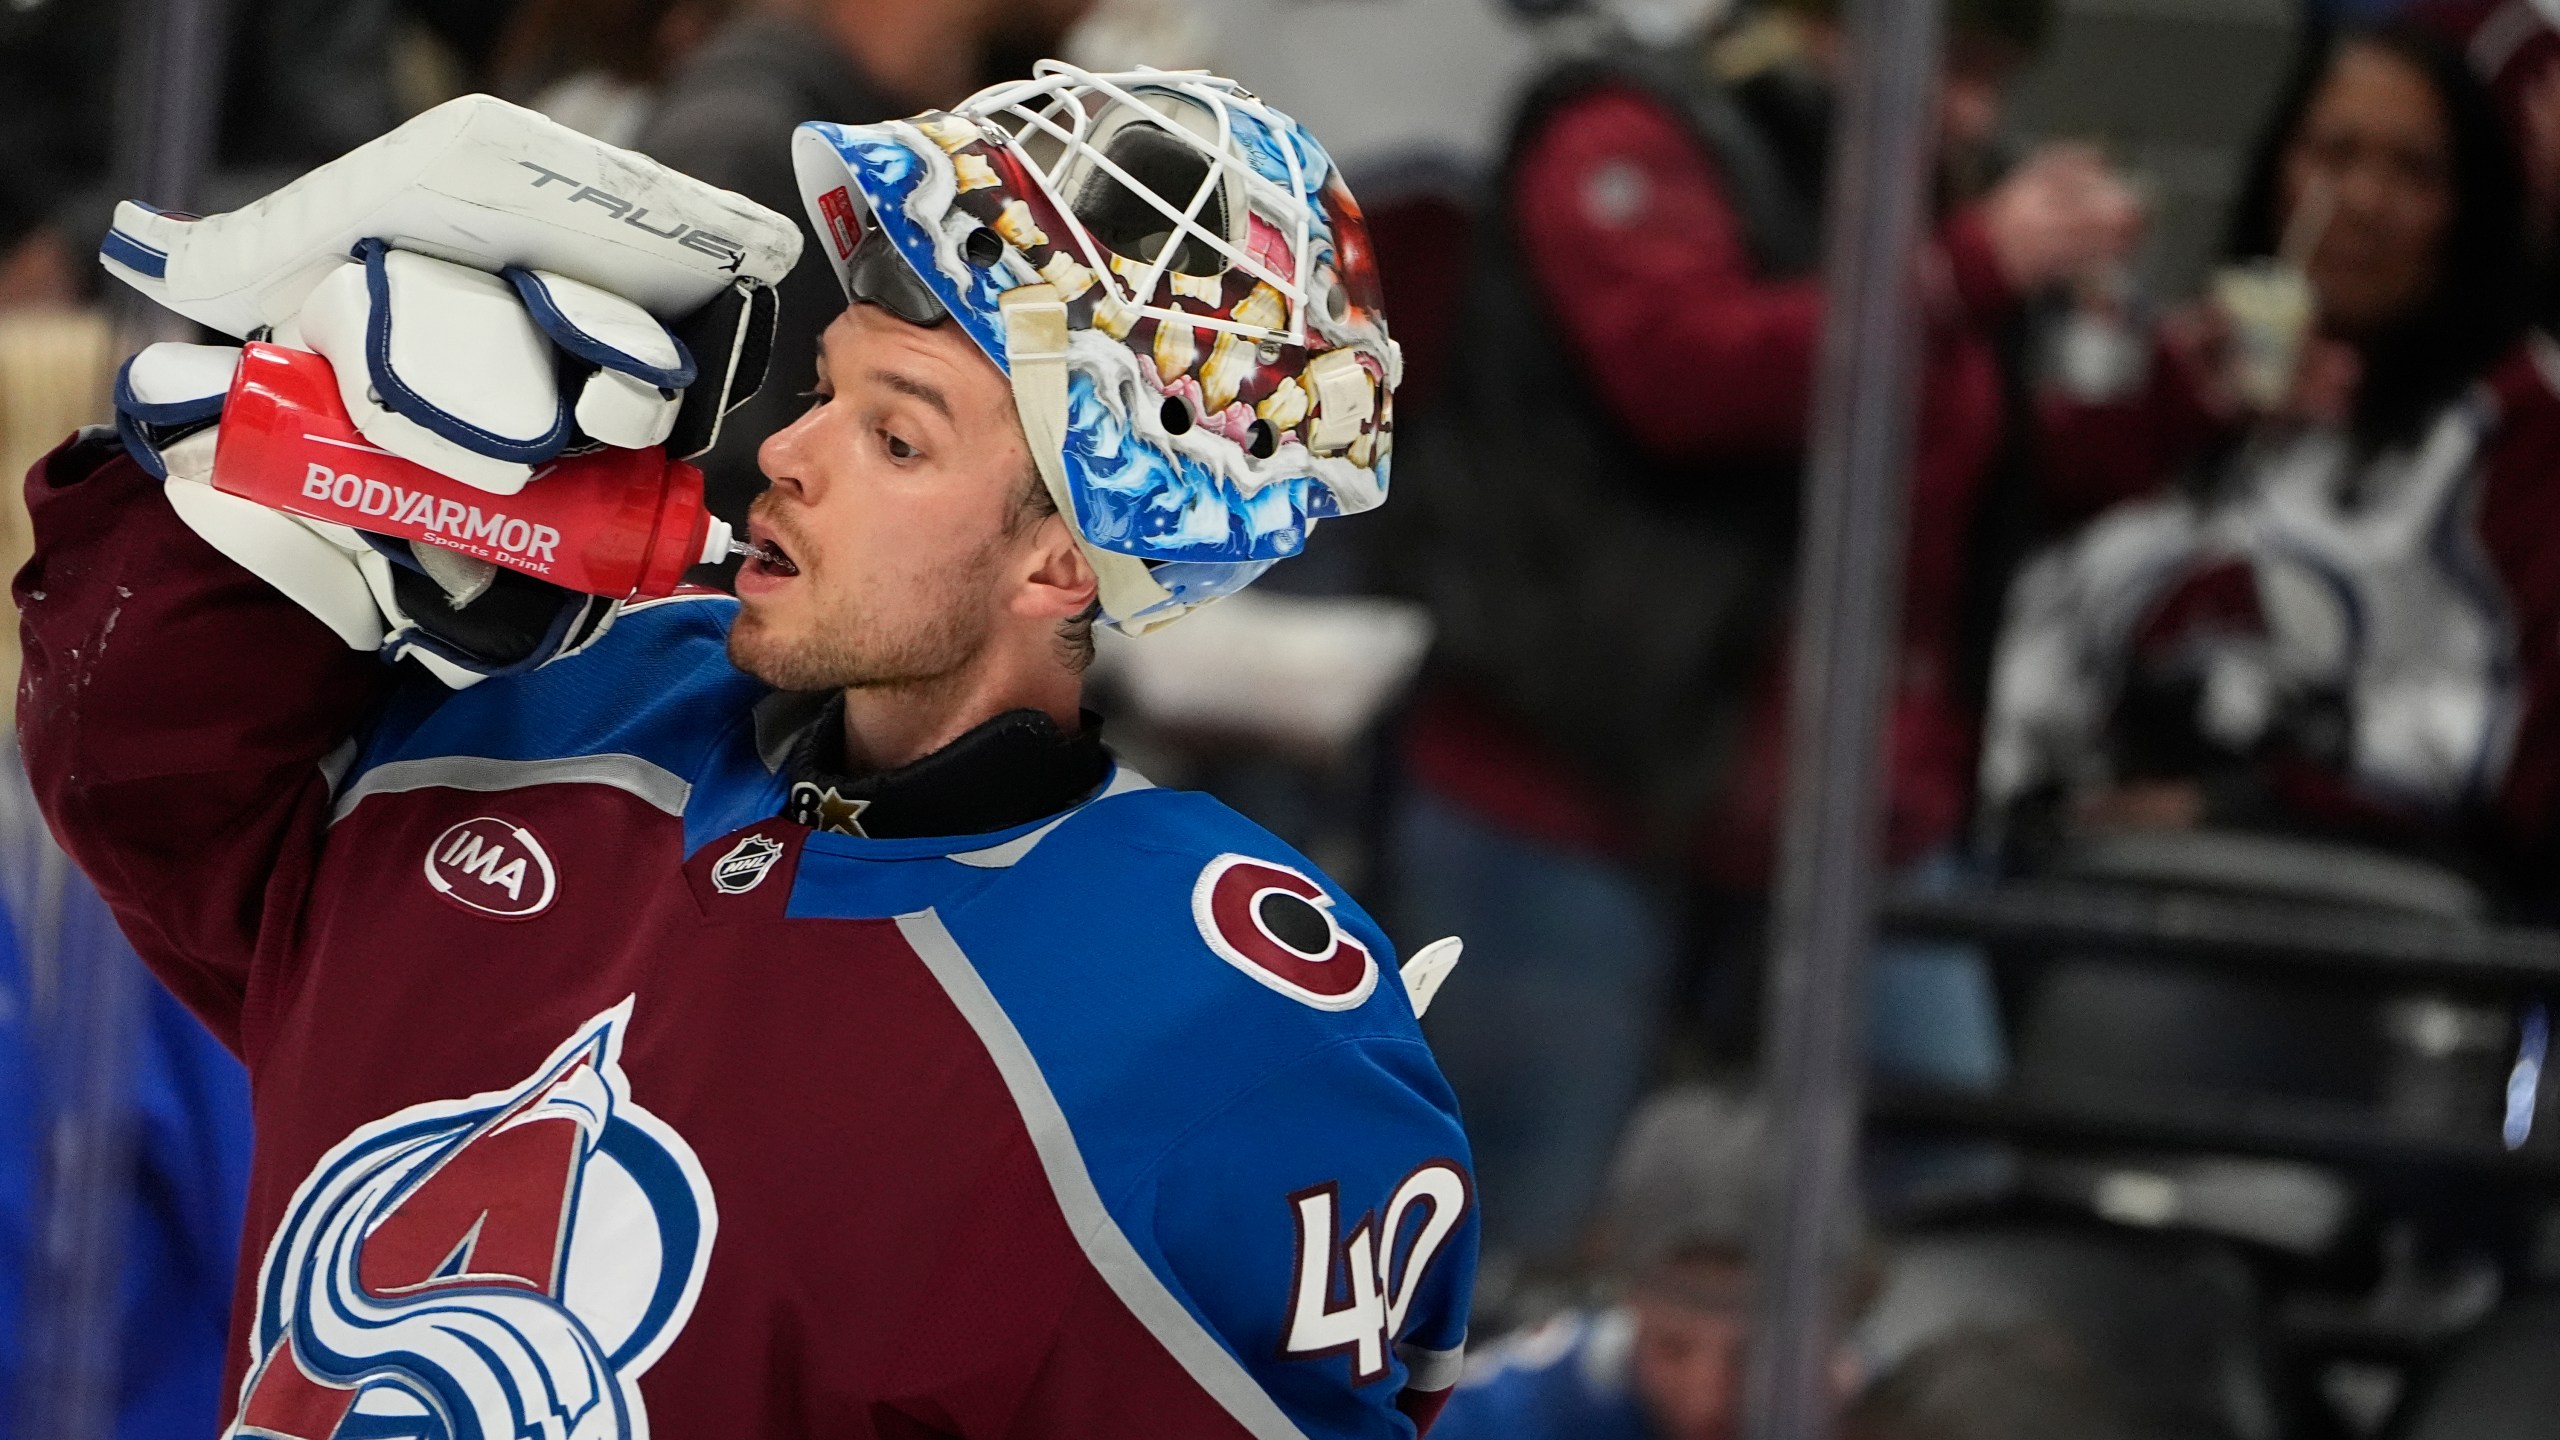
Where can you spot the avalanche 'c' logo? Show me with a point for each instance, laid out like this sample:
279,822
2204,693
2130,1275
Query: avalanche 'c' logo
1277,926
485,1269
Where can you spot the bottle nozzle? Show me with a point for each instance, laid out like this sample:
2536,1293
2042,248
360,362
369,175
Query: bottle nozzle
719,542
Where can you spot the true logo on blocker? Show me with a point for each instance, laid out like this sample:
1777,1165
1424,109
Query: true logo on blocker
493,866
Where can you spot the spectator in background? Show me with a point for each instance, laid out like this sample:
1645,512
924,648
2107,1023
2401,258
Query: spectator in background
1665,1363
2514,47
2025,1383
727,116
596,65
1605,498
2347,625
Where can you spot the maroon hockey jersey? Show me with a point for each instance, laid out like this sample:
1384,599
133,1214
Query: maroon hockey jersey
594,1100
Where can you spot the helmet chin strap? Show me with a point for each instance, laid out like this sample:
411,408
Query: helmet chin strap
1035,343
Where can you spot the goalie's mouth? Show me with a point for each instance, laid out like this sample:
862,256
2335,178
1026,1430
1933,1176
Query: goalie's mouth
766,556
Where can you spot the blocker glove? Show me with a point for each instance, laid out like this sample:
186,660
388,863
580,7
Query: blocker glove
492,291
462,618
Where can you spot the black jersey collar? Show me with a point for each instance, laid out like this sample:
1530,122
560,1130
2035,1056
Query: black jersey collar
1011,770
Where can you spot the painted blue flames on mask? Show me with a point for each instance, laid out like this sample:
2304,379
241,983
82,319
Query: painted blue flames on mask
1141,499
889,172
1261,144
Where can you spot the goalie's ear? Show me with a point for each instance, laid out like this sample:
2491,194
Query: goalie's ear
731,341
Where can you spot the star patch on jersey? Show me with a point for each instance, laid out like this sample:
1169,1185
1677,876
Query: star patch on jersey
826,809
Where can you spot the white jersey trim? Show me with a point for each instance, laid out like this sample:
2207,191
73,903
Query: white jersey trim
1210,1365
654,784
335,765
687,597
1428,1370
1011,852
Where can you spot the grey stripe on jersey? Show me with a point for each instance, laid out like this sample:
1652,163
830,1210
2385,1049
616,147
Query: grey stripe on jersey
1429,1370
652,783
1127,1273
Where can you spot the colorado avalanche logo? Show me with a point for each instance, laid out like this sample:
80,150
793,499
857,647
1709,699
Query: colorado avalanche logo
1276,925
485,1269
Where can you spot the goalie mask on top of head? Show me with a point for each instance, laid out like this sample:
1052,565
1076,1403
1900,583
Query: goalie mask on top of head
1176,282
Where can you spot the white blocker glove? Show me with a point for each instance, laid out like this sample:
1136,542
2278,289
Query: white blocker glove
492,290
463,619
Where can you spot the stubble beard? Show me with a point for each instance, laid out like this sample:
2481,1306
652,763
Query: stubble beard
847,647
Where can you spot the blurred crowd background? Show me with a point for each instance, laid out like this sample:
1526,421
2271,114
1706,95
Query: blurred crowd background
2205,1048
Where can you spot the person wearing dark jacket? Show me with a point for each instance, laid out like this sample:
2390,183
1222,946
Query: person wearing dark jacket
728,114
1607,491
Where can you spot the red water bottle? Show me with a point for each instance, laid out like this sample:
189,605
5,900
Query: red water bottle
625,524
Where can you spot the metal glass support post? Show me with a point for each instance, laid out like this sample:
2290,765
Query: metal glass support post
88,983
89,1044
168,115
1846,606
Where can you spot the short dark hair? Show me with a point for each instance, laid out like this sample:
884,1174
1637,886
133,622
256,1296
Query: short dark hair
1033,504
2478,308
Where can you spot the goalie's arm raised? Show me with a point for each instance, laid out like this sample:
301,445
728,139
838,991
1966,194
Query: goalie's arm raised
195,663
484,311
177,715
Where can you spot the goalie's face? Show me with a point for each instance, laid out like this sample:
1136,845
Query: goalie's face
905,543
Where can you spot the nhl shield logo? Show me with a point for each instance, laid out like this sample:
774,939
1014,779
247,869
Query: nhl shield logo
746,865
505,1265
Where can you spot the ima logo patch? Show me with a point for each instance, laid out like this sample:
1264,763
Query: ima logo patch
1277,926
506,1265
493,866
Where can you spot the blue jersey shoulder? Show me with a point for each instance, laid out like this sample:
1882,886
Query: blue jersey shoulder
1227,1036
1220,930
654,706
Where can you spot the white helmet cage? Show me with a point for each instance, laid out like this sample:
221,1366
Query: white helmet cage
1120,168
1179,287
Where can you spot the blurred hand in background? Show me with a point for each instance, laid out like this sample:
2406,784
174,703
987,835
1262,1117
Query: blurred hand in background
42,270
2060,215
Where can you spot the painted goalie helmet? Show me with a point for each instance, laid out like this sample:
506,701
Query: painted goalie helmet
1177,284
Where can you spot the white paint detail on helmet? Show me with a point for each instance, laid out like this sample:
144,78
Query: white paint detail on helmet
1260,209
932,204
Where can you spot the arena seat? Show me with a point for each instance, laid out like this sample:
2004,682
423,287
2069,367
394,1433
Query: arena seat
2498,1383
2171,1322
2094,1023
